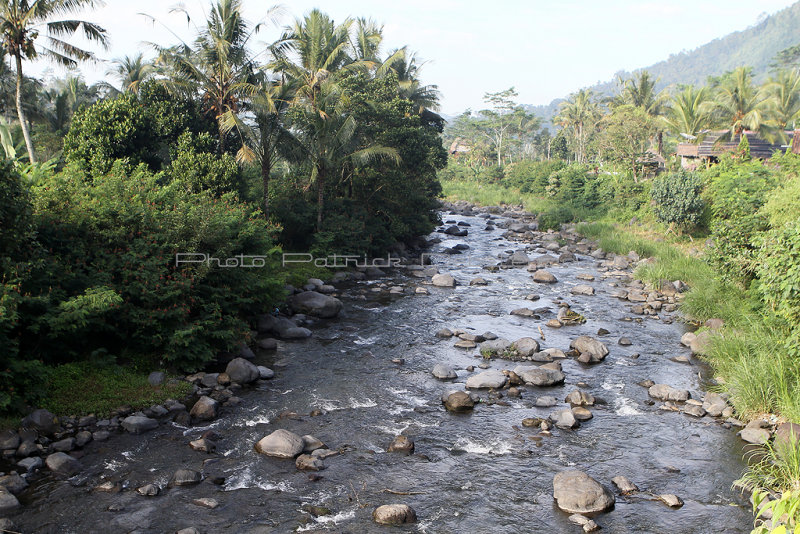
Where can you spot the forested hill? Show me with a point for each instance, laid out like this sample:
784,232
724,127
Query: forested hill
755,46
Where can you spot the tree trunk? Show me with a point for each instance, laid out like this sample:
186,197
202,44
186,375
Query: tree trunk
320,197
21,114
266,168
661,144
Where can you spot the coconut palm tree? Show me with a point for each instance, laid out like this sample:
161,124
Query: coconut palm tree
784,98
578,114
22,22
687,115
738,105
424,97
131,72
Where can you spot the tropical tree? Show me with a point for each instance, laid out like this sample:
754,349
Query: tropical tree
578,115
640,91
784,98
687,114
131,72
738,105
21,24
405,66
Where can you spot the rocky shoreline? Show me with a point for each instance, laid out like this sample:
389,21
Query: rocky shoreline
49,444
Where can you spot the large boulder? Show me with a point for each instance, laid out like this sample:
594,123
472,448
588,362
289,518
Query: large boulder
281,444
544,277
487,379
587,344
7,501
444,372
576,492
137,424
185,477
668,393
519,258
42,421
443,280
525,347
9,439
458,401
242,371
63,464
205,409
540,376
316,304
394,514
494,347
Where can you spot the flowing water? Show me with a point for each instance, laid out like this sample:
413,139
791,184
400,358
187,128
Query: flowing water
478,472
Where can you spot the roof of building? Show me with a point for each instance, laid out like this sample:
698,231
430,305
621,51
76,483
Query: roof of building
711,146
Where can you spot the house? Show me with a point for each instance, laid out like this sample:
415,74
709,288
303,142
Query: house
710,148
459,147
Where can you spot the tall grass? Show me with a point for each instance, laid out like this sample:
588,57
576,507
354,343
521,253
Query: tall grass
484,194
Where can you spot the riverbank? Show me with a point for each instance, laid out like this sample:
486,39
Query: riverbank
360,382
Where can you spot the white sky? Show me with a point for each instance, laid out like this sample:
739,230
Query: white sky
545,48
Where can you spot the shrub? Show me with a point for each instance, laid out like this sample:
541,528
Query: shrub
677,199
197,167
553,218
779,273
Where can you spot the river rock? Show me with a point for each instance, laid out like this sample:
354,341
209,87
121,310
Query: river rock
687,338
456,231
267,343
576,492
754,435
63,464
265,373
465,344
544,277
316,304
487,379
581,413
540,376
584,522
478,282
148,490
281,444
242,371
668,393
579,398
714,404
205,409
13,483
402,444
564,418
673,501
63,445
42,421
519,258
206,502
8,502
444,372
156,378
443,280
82,438
458,401
582,289
625,486
394,514
185,477
701,342
587,344
311,443
546,402
444,333
787,435
31,464
525,347
307,462
203,445
494,347
138,424
694,410
9,439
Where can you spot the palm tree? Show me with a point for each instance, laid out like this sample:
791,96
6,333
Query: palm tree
131,72
640,91
738,105
784,98
265,134
424,97
687,115
579,113
21,23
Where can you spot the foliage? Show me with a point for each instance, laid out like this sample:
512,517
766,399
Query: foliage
530,176
786,507
678,199
624,137
198,168
778,271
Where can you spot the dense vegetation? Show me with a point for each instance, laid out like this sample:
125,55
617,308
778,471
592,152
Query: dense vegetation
332,146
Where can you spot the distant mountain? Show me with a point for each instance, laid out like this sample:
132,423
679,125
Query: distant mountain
755,47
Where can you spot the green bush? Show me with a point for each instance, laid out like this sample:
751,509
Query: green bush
678,200
530,176
197,167
553,218
778,269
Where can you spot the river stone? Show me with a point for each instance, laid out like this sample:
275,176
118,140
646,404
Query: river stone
307,462
694,410
205,409
787,435
190,530
203,445
281,444
687,338
137,424
587,344
673,501
444,372
714,404
546,402
63,445
668,393
9,439
444,333
402,444
394,514
31,464
443,280
624,485
63,464
579,398
494,347
525,347
148,490
210,380
316,304
564,418
544,277
42,421
701,342
555,353
581,413
458,401
540,376
756,436
13,483
7,501
267,343
456,231
487,379
310,443
465,344
82,438
582,289
519,258
242,371
156,378
576,492
185,477
206,502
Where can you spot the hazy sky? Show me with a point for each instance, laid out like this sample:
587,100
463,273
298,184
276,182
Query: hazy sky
545,48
